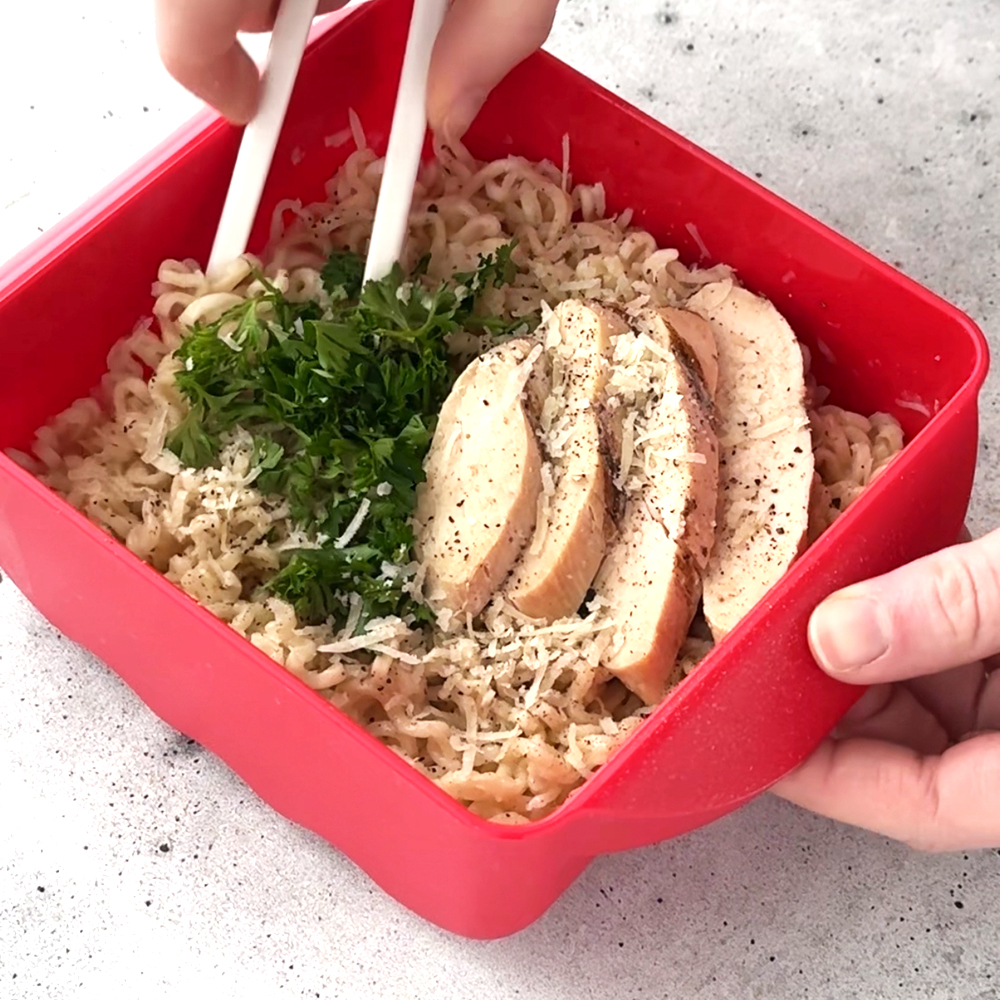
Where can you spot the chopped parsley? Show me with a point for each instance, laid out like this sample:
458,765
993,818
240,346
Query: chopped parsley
341,400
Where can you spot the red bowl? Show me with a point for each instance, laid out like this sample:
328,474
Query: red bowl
753,710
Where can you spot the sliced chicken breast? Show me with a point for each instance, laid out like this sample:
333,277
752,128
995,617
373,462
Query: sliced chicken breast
477,508
697,334
652,587
668,469
559,564
766,460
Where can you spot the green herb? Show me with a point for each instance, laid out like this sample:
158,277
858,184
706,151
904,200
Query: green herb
343,274
341,400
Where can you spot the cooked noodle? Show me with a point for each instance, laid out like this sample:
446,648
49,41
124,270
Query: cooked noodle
504,714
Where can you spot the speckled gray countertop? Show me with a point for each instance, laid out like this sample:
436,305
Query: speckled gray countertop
132,864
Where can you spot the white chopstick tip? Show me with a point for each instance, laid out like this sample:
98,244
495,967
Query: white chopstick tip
253,162
406,141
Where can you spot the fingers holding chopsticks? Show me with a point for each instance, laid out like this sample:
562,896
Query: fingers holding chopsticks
199,48
479,43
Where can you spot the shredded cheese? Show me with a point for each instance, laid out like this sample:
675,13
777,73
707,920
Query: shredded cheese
352,529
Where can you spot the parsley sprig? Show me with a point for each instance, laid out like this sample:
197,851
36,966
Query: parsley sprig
341,400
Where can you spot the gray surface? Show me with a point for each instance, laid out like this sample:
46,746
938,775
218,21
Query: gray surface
134,865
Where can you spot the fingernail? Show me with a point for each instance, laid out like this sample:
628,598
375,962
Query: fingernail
462,113
847,633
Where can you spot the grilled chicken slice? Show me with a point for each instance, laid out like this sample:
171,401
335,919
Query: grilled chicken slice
697,334
652,587
477,507
559,564
766,460
668,468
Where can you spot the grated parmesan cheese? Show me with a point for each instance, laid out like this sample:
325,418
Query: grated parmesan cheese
374,635
627,448
543,514
352,529
914,405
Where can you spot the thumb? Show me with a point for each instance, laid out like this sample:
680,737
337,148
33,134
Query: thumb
938,612
480,42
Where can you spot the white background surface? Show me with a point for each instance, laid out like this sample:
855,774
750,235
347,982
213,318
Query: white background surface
132,864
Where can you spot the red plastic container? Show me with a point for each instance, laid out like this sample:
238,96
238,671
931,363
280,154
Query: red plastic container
751,712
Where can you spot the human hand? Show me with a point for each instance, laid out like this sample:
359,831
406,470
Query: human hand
918,757
479,43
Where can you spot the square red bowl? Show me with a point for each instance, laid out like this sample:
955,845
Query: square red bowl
748,715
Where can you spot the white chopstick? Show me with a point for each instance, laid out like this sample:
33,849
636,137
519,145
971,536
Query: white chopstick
288,41
406,140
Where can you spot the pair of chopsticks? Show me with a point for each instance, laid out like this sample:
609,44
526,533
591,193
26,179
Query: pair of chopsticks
406,138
